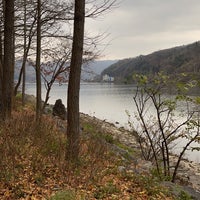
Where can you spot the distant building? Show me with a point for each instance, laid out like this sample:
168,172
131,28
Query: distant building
107,78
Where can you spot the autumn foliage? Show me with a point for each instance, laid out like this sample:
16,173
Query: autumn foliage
33,164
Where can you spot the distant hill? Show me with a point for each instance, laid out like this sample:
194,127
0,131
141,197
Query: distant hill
170,61
93,70
89,72
30,72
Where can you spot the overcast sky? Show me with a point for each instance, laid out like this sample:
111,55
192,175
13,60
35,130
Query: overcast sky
139,27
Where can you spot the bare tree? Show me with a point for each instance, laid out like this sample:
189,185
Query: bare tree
1,89
73,128
74,82
1,54
24,56
25,32
53,15
159,131
1,28
8,61
38,61
55,66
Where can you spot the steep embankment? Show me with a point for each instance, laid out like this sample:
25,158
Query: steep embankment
170,61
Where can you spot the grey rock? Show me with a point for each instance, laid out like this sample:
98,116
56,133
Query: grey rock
193,193
59,110
177,190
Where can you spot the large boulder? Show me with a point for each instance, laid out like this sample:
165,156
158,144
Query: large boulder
59,110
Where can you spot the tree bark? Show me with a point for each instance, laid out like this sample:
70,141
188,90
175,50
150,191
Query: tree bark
28,42
73,127
8,65
24,57
1,57
1,90
38,58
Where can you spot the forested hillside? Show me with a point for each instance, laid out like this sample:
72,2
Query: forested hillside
182,59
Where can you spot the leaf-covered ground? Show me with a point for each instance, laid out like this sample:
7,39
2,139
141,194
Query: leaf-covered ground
33,165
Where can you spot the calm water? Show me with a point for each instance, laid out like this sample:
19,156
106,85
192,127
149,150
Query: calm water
105,101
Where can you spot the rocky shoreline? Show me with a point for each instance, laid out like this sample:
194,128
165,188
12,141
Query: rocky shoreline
188,174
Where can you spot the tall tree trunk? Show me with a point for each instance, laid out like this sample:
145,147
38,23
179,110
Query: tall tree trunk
73,127
1,90
8,65
1,57
38,58
1,42
24,58
28,37
1,67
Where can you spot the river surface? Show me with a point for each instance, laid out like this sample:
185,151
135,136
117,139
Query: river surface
105,101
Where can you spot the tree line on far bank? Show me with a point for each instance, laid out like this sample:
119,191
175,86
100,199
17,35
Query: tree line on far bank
172,62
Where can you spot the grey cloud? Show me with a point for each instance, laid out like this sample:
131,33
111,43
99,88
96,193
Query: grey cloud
158,22
157,15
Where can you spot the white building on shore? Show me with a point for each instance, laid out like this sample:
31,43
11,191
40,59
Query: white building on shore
108,78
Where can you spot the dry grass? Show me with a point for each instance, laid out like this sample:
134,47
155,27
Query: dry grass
32,164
